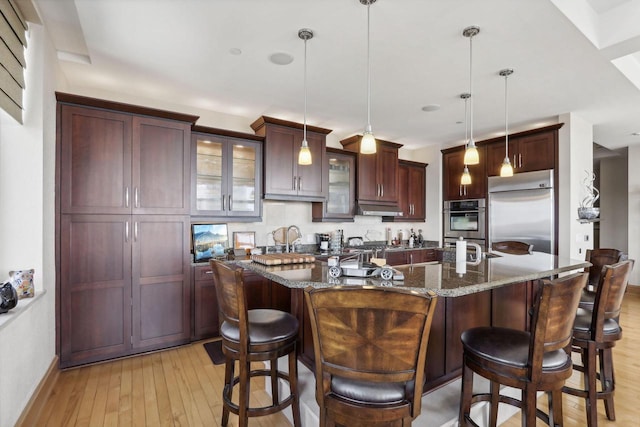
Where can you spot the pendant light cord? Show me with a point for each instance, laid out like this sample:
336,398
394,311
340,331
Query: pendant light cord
304,138
368,69
471,88
506,120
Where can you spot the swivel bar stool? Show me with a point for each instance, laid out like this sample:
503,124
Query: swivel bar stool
530,361
598,259
252,336
595,333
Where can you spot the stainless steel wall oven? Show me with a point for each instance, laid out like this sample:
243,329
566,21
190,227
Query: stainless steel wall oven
464,218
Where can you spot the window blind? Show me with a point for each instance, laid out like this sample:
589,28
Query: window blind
13,42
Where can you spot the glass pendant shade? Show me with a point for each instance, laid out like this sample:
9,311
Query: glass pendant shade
506,169
471,156
466,177
304,156
368,143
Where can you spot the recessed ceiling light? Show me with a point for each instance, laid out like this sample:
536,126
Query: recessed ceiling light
635,134
235,51
431,107
281,58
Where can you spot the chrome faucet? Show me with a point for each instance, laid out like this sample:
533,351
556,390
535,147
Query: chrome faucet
294,227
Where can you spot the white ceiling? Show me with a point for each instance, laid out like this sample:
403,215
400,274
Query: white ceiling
568,55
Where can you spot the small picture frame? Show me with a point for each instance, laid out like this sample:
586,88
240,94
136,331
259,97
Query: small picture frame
244,239
209,240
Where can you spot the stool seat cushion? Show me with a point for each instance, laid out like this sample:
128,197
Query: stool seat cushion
587,297
265,326
582,324
371,393
508,347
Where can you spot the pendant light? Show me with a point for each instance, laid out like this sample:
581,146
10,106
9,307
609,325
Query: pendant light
465,179
506,169
368,143
471,156
304,157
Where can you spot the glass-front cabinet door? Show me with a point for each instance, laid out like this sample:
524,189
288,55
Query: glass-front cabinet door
227,177
340,204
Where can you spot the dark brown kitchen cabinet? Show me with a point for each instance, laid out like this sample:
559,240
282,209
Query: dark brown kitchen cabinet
122,229
124,285
411,192
462,313
205,304
528,151
284,178
226,175
410,256
509,305
341,188
452,168
377,180
118,163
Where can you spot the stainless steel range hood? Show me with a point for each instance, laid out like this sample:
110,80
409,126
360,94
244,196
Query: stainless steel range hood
378,210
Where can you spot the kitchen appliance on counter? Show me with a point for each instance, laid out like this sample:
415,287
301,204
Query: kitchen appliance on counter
521,207
322,240
466,219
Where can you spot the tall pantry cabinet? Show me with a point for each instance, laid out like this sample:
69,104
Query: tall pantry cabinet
123,238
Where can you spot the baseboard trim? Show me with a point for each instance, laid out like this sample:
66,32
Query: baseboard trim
633,289
39,398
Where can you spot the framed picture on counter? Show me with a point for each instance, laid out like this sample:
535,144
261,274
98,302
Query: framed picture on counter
209,240
244,239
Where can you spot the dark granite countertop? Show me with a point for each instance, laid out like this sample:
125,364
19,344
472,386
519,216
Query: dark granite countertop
444,278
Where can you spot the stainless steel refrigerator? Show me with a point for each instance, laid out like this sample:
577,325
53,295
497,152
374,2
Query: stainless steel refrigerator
521,208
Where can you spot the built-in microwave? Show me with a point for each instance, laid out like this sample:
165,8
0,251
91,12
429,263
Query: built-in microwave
464,218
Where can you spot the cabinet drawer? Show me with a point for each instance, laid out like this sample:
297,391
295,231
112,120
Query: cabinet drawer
202,272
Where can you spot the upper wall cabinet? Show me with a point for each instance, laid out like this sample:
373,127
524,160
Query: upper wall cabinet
226,174
411,192
341,200
452,168
284,178
120,163
377,180
532,150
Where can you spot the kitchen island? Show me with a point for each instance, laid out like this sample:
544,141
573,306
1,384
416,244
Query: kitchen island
497,290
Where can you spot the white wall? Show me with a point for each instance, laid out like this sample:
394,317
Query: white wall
575,150
614,227
27,333
634,211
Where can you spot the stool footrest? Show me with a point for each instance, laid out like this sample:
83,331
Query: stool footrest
263,410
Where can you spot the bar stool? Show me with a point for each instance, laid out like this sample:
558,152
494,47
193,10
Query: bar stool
598,259
370,345
512,247
252,336
530,361
595,333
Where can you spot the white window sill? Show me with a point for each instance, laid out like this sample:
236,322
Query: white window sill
23,305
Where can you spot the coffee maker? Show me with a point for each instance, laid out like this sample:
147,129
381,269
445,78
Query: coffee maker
322,240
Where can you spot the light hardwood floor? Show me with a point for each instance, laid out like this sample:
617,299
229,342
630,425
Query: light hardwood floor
181,387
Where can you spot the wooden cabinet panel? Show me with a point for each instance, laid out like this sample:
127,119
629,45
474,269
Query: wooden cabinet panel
530,152
453,165
162,166
377,173
95,296
435,362
257,290
284,179
463,313
94,160
161,286
411,192
510,306
205,304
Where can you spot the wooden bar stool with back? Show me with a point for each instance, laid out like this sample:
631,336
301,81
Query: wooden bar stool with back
370,347
253,336
530,361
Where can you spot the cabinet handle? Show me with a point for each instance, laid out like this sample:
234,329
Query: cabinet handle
381,190
230,203
135,231
223,197
208,272
460,190
126,197
294,182
299,183
520,160
126,231
515,165
135,198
